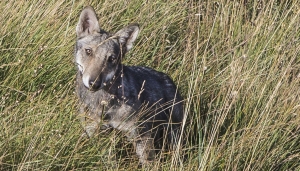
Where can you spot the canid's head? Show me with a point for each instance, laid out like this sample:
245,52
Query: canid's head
98,53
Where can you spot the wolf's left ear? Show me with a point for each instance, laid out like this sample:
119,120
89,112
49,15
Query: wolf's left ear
128,35
88,22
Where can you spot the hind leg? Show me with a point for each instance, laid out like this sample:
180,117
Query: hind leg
145,149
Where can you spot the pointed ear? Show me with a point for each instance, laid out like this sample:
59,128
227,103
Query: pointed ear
88,22
128,35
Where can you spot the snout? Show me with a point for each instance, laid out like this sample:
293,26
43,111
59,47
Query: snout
92,83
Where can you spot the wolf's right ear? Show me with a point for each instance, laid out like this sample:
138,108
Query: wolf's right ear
88,22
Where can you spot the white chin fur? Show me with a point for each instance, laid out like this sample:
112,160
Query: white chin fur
85,80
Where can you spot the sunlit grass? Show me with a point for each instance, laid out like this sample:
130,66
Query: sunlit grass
236,64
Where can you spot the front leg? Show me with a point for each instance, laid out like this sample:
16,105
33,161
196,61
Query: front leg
89,121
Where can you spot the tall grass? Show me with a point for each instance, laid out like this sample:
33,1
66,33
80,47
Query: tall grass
236,63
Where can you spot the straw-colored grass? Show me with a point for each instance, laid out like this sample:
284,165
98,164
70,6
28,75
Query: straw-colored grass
236,64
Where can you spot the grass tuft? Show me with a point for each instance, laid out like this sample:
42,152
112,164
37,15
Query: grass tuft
236,64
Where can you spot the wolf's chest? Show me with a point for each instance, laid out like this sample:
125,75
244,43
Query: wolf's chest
109,110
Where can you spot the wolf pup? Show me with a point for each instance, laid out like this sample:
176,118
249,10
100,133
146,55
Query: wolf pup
141,102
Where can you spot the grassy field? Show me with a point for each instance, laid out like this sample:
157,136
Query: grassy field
237,64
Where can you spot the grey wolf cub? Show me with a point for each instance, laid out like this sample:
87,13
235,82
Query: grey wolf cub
139,101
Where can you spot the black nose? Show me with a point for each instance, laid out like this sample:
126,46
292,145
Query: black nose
94,84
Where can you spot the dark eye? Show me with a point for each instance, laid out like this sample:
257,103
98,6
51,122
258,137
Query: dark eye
112,58
88,51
